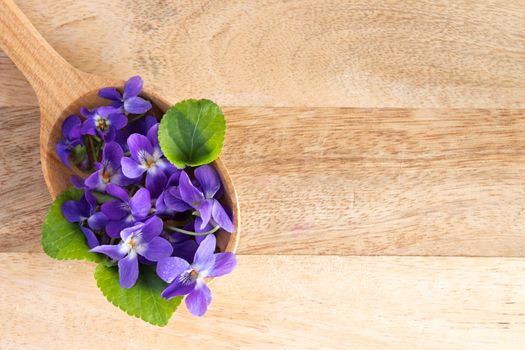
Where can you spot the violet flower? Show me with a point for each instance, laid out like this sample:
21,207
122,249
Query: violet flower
104,121
108,170
189,280
210,211
77,182
166,203
139,126
146,157
125,212
185,246
129,102
142,239
72,138
84,212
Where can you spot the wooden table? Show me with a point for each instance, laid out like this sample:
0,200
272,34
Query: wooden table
379,159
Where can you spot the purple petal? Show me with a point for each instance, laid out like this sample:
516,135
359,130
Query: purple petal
155,182
118,192
128,270
75,135
97,221
71,211
221,218
118,120
199,239
85,207
112,153
160,206
150,121
77,181
130,230
110,94
140,203
173,175
115,252
157,249
70,127
151,229
86,113
138,143
177,288
92,240
174,202
224,264
63,152
118,178
197,224
188,192
136,105
204,258
133,87
114,210
94,182
109,135
208,179
170,268
197,228
205,210
198,300
130,168
88,127
90,200
114,228
105,111
99,166
153,135
185,249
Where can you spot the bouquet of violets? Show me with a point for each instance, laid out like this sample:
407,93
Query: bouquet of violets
147,211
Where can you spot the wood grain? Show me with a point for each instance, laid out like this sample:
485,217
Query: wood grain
62,90
303,302
379,181
407,181
300,53
338,181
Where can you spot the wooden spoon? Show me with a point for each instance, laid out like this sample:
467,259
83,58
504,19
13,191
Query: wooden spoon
61,90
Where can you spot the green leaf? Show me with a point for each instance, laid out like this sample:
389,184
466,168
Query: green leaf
192,133
62,239
143,300
102,197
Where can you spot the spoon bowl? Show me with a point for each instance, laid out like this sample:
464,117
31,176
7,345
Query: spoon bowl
62,89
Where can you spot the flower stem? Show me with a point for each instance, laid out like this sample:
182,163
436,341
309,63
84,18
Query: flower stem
91,153
135,117
176,229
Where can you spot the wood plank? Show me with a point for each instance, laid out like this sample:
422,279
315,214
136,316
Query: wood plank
282,302
336,181
379,181
301,53
15,91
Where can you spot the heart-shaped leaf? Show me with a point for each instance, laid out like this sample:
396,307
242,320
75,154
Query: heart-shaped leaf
143,300
192,133
62,239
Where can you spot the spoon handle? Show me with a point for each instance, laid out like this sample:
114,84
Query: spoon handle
49,74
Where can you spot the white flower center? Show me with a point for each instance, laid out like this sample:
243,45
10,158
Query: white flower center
149,162
102,123
133,243
189,276
106,173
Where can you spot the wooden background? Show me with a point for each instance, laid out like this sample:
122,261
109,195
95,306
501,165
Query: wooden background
379,154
